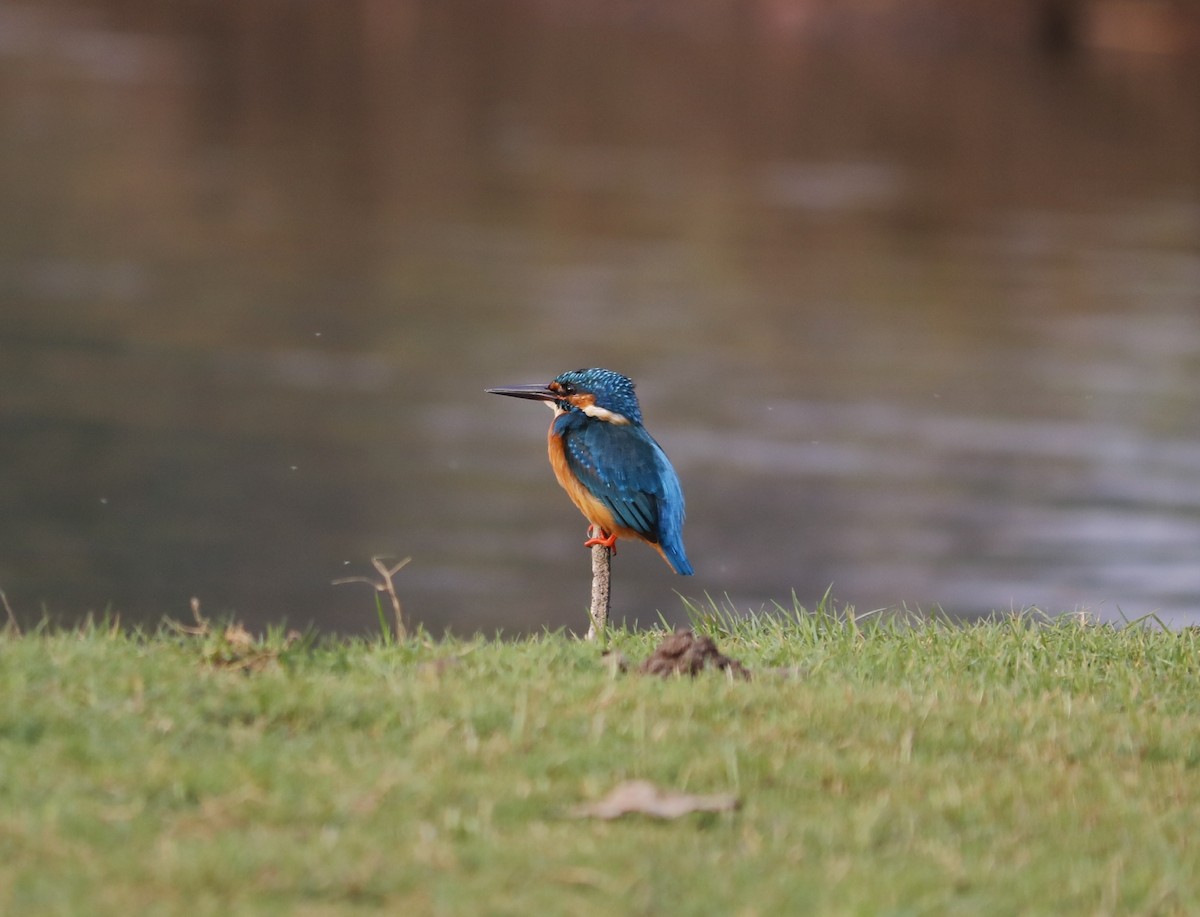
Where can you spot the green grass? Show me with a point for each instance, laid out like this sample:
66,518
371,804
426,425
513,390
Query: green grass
1005,767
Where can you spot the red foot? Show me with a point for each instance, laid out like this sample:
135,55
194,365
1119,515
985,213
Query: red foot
609,541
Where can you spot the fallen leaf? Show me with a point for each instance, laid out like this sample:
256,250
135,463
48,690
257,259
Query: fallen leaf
644,798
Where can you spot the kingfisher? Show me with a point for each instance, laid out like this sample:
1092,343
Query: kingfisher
609,465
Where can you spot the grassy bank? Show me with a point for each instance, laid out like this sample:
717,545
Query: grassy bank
1005,767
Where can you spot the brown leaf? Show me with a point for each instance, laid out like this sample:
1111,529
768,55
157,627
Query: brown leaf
644,798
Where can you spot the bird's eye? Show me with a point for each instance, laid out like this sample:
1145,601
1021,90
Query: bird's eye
566,388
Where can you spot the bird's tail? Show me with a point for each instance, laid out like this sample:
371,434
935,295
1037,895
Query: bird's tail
673,553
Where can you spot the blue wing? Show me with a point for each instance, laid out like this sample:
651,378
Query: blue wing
626,470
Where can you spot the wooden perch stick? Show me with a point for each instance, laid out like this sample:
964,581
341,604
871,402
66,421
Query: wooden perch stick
601,572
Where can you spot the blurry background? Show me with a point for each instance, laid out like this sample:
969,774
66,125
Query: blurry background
911,292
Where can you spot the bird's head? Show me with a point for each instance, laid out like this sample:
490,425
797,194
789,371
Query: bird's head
598,393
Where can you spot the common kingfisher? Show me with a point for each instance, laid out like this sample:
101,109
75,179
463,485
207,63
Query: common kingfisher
610,467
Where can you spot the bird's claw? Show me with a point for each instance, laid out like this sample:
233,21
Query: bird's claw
597,535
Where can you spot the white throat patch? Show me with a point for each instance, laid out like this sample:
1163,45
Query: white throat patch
604,414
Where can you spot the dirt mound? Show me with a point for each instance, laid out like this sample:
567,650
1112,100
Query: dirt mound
684,653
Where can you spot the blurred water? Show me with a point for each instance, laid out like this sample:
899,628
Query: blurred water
919,322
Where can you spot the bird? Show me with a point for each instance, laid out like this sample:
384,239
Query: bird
613,470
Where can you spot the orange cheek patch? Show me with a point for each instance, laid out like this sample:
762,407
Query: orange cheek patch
583,400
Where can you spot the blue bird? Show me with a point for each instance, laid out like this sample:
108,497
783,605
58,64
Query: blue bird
610,467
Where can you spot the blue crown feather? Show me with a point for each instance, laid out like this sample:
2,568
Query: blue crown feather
612,391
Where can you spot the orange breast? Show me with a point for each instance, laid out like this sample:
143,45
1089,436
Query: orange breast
593,510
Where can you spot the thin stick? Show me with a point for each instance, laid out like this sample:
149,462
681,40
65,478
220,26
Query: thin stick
601,572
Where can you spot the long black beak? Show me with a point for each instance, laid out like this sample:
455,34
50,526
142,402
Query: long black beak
534,392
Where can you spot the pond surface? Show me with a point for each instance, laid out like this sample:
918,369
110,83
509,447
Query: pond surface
917,323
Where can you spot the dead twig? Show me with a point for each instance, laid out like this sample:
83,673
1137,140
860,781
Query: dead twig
233,647
384,585
202,628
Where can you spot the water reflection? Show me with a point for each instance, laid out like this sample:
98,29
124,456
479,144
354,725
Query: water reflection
920,324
